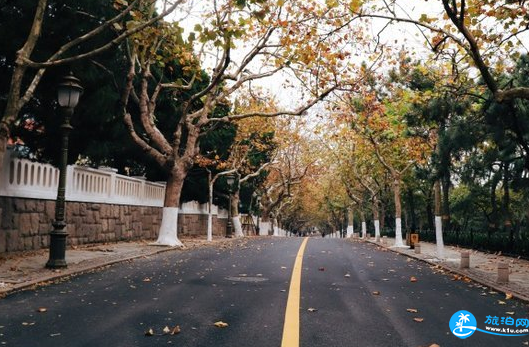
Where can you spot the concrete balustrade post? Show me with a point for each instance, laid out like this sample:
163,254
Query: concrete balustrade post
503,272
465,260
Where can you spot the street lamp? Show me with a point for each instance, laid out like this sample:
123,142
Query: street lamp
68,93
230,179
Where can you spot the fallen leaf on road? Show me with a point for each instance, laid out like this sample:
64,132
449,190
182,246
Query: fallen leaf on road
176,330
147,279
434,345
501,302
42,309
221,324
166,330
418,320
412,310
312,309
510,313
283,290
149,332
283,267
413,279
321,269
347,275
508,296
376,293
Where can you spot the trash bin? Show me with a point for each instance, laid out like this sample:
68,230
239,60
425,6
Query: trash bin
414,239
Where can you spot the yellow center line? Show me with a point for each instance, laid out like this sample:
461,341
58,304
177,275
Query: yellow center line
291,327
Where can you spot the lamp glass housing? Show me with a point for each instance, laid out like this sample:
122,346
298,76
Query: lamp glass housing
69,91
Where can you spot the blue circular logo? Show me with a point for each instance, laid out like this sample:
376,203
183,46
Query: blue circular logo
463,324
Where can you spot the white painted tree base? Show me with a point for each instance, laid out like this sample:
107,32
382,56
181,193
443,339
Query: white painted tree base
398,234
210,227
167,236
439,237
350,231
264,228
364,230
237,226
377,230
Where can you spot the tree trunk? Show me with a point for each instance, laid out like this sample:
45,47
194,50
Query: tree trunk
364,224
350,223
210,206
398,212
235,217
413,214
14,101
438,220
168,234
446,200
507,221
382,215
264,227
376,218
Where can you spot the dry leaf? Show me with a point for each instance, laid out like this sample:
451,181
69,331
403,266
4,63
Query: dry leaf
149,332
376,293
283,267
413,279
166,330
434,345
501,302
312,309
176,330
321,269
347,275
147,279
510,313
42,309
221,324
418,320
412,310
508,296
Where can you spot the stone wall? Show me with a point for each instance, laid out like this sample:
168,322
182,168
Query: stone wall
25,223
197,224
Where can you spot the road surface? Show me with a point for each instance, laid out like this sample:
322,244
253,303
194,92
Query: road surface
350,294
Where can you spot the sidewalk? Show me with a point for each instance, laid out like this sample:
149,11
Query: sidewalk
25,270
483,266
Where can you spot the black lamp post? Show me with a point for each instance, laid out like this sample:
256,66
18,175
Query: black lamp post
68,93
230,179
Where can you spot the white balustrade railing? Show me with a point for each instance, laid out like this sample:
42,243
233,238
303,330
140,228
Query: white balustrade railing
26,179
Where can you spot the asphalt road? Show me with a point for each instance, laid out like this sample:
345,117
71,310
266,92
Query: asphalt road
358,295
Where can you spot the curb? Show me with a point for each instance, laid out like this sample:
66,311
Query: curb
476,278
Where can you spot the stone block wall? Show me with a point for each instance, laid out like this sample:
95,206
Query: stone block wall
197,224
26,223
